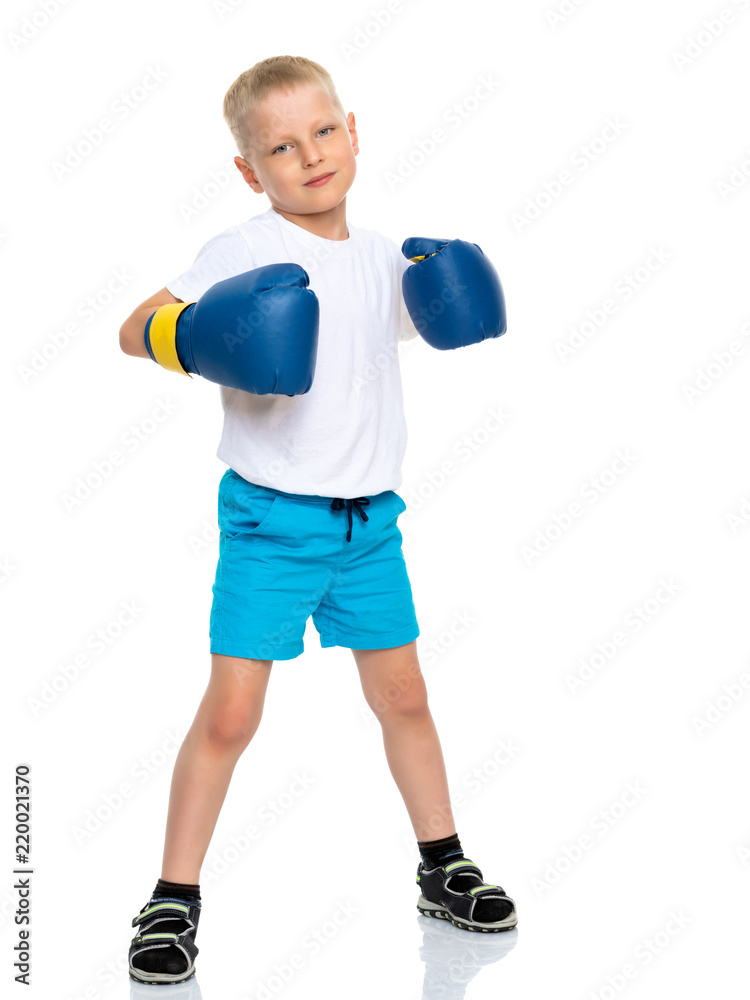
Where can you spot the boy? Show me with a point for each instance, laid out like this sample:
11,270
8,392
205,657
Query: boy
293,540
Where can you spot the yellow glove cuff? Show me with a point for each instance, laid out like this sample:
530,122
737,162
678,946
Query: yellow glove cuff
163,333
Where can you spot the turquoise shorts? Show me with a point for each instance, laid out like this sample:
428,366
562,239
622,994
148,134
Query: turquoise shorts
286,556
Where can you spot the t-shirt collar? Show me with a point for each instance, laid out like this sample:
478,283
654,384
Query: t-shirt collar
310,239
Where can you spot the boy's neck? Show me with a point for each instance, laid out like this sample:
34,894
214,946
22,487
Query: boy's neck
329,225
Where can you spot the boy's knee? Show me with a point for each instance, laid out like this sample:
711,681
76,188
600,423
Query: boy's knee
407,698
232,726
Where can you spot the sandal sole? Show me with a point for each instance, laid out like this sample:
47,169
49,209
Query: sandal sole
155,978
429,909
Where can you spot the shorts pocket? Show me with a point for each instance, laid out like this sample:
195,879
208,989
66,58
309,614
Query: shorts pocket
243,507
401,504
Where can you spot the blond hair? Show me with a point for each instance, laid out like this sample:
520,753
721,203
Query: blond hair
255,84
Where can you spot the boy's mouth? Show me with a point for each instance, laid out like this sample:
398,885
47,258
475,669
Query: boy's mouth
320,179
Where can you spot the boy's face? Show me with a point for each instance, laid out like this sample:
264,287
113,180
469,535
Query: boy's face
297,136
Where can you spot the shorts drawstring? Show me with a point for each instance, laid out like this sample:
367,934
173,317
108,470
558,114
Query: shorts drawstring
359,503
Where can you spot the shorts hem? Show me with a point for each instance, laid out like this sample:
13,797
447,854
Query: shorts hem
256,650
400,638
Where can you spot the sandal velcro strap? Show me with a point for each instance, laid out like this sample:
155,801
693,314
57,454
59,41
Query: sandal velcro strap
488,890
463,867
467,867
170,938
163,909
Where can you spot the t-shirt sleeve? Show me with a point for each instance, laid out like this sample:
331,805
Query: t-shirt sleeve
407,330
222,257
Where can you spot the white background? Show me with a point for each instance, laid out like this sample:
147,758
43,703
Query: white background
502,631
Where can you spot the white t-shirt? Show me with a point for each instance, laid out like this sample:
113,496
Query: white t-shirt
346,437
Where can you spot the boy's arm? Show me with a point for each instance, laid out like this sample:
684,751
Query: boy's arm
133,329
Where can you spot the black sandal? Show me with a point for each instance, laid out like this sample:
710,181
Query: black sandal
165,955
457,892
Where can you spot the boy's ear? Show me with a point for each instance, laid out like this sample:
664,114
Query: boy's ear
353,131
248,175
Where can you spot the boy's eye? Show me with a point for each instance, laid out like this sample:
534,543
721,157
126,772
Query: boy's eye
328,128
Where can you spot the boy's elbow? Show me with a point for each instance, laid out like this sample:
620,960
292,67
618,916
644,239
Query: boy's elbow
131,339
127,345
133,330
124,341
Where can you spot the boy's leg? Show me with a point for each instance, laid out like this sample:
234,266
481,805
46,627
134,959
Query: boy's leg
395,690
224,724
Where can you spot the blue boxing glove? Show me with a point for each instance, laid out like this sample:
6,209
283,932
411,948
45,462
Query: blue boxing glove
452,292
256,331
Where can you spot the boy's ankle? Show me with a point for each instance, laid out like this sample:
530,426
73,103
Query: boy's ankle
180,890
